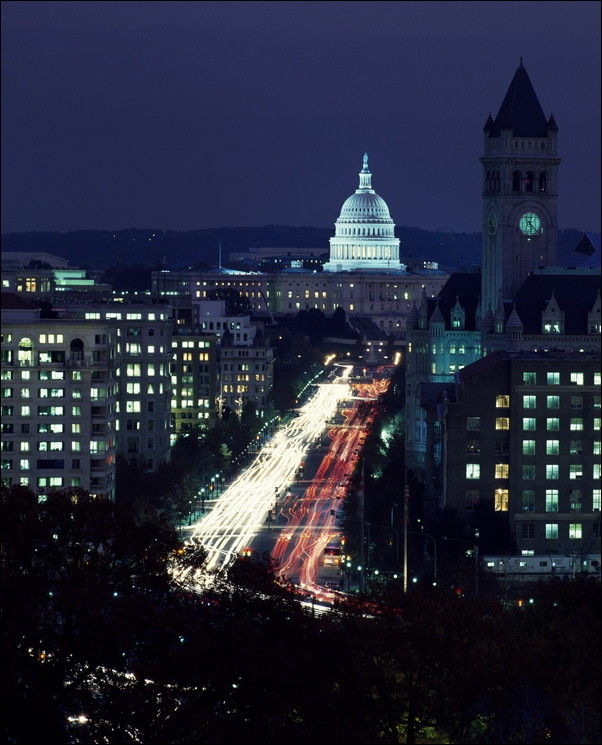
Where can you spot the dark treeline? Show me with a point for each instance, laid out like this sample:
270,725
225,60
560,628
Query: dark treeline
106,638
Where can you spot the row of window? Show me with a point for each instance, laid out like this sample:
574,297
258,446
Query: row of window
552,470
552,531
500,499
553,402
553,378
553,424
575,500
473,423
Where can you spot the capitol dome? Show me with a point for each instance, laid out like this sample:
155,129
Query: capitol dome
364,233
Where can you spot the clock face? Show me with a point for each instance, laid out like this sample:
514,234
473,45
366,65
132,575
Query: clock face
492,224
530,223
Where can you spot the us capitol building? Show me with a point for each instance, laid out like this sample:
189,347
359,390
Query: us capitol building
364,274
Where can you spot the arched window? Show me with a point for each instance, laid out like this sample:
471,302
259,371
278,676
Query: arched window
488,181
529,181
498,181
543,181
25,352
77,349
516,181
543,145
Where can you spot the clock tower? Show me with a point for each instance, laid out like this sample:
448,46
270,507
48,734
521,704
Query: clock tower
520,192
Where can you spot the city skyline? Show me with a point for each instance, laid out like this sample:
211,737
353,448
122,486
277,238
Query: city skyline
197,115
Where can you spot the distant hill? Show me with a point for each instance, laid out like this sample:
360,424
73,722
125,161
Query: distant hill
101,249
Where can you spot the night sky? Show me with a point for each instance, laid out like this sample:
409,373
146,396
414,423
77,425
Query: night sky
186,115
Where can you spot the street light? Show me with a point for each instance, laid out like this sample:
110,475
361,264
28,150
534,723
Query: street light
476,559
413,532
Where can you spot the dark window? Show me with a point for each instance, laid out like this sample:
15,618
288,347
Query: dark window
516,181
501,447
528,530
51,463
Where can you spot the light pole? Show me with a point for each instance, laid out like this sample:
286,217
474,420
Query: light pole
413,532
476,559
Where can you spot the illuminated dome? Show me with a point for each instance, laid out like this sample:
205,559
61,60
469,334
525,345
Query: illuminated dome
364,233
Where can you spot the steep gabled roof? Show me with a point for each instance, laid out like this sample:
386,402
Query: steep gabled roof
575,294
462,287
521,108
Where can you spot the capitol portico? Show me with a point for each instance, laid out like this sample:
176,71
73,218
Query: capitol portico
365,233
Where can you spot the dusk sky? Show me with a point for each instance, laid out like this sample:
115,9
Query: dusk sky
189,115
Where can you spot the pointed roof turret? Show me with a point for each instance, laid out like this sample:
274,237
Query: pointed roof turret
437,316
521,107
488,124
424,310
552,123
514,323
412,319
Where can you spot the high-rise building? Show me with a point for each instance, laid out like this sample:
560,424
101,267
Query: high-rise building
59,399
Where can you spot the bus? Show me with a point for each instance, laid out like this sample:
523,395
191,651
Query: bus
332,554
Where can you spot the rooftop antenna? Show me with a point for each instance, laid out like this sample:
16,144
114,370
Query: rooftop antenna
220,254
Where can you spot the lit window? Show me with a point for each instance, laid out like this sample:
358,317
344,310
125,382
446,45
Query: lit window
597,423
552,424
576,471
575,500
575,531
552,447
502,402
528,447
502,422
553,402
501,500
529,402
551,500
553,378
529,378
596,471
552,471
551,531
576,424
576,378
501,470
133,371
529,424
596,448
473,471
597,499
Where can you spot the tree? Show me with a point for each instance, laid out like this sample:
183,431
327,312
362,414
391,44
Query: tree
85,588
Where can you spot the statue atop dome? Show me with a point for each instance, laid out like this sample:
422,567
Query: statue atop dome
365,160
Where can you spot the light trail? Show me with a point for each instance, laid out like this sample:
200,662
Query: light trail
240,512
312,524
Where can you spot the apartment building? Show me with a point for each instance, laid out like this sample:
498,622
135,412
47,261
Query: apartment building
59,399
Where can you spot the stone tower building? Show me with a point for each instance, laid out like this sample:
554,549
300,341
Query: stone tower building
520,193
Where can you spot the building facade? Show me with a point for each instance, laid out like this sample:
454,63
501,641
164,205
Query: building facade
522,432
60,400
